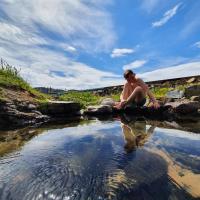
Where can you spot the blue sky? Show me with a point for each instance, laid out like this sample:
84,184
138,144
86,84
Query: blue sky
80,44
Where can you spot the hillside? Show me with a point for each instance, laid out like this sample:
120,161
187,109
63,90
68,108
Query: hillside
19,102
14,88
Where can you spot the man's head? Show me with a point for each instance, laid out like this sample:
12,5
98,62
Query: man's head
129,75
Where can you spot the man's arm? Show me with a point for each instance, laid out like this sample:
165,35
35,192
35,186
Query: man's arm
153,99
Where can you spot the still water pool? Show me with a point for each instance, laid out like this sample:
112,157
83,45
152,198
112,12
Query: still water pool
101,160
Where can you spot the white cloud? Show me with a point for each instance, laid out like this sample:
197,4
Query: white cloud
197,44
37,64
85,24
183,70
14,34
68,48
121,52
34,31
166,17
135,64
149,5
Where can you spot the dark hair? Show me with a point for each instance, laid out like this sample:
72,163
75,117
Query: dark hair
127,72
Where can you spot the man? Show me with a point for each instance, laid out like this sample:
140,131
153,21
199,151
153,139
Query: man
135,92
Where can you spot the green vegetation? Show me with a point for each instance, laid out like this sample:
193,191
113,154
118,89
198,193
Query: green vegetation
84,98
10,78
160,92
115,96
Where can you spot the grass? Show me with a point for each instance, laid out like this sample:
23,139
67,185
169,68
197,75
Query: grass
160,92
10,78
84,98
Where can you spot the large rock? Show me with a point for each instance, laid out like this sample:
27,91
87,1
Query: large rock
195,98
184,106
11,117
108,102
98,110
60,108
193,90
191,80
175,94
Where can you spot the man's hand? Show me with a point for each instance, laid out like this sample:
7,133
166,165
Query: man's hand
121,104
156,105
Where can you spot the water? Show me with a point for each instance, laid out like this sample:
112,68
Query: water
101,160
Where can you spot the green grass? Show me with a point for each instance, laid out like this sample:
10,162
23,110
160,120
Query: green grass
84,98
10,78
160,92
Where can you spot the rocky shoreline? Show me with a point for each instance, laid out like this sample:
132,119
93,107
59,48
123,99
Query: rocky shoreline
23,113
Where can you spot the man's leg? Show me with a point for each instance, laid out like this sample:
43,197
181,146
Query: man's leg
137,95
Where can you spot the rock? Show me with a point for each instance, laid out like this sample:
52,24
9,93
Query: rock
14,118
184,107
31,107
193,90
195,98
11,116
175,94
60,108
191,80
108,101
98,110
37,112
167,100
100,92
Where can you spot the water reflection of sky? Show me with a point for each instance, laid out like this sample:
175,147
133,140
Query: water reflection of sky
104,160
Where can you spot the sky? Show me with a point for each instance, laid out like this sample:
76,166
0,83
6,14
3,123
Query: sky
83,44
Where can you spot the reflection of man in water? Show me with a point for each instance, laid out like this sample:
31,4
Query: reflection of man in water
135,134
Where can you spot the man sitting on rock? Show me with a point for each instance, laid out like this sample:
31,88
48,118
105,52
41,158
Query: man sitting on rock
134,92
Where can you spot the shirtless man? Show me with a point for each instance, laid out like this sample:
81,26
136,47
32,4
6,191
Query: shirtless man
135,92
